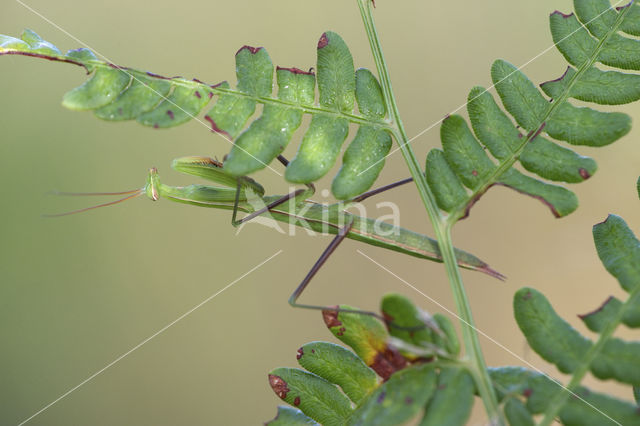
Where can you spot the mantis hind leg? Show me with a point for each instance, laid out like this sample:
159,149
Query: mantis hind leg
333,245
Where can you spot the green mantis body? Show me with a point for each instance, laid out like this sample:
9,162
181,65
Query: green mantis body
244,194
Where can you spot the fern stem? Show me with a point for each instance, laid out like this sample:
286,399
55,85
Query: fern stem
561,399
441,226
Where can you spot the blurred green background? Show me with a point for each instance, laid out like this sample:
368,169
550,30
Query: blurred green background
77,292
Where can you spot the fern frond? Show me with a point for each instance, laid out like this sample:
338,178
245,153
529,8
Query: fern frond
462,171
118,93
385,383
609,357
539,391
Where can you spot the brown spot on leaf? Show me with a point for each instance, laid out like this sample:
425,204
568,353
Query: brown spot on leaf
584,173
382,367
313,351
279,386
155,126
197,94
387,318
330,318
396,359
527,392
300,353
408,400
474,172
527,296
170,114
388,362
296,401
47,57
381,397
215,128
324,40
150,74
442,386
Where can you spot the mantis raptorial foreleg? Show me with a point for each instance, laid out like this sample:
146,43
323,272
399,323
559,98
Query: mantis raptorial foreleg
292,195
382,189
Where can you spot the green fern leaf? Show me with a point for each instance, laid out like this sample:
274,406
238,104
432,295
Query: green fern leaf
463,171
601,317
517,414
408,319
398,399
403,384
453,400
368,337
289,416
117,93
539,392
340,366
557,342
313,395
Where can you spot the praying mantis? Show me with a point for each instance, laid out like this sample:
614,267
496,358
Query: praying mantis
119,93
245,195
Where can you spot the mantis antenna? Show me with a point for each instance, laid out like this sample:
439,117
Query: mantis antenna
132,194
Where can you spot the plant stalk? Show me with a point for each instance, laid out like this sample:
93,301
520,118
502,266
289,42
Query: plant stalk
441,226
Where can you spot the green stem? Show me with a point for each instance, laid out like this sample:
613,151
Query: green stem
560,400
441,226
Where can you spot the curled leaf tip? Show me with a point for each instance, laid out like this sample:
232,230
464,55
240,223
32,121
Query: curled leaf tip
604,221
598,309
555,80
295,70
564,15
251,49
619,8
